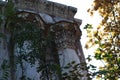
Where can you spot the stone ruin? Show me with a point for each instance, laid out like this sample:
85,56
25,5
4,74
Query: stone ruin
58,17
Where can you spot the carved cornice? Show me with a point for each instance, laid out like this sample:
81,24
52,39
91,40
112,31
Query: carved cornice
48,7
50,12
58,16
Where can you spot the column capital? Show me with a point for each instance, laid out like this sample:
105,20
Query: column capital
66,34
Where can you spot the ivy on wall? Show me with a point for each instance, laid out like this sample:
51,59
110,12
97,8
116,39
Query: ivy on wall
30,43
38,48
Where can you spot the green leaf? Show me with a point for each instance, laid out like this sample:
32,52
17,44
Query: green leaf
119,60
101,72
73,62
9,10
89,58
66,67
88,26
97,42
98,56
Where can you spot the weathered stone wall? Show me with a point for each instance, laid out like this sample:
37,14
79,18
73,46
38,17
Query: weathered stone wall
60,19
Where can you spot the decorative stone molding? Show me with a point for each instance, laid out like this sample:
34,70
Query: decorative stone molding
59,19
47,7
67,32
66,35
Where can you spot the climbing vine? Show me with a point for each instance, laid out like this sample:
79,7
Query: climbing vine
34,46
30,42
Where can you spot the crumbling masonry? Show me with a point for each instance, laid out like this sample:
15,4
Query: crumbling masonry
60,19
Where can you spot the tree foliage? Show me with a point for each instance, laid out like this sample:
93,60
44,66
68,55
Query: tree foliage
106,37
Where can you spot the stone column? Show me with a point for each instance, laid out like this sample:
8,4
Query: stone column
4,54
24,69
58,17
68,43
4,40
